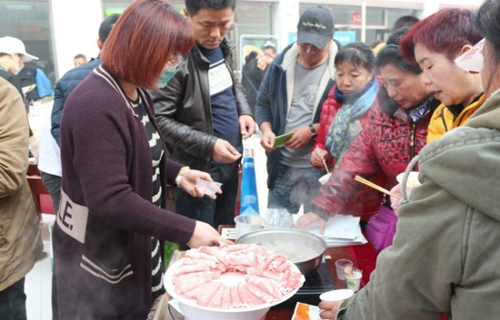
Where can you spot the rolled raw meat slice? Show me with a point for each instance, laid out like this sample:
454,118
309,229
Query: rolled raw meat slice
204,297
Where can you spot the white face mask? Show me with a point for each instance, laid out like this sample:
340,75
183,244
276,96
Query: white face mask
17,63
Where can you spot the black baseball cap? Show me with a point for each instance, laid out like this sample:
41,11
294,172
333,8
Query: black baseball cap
315,27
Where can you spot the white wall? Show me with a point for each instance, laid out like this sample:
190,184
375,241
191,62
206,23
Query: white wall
75,30
286,17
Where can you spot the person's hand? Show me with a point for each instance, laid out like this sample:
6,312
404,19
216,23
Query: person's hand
395,201
308,219
267,141
301,137
318,155
35,148
205,235
330,309
247,126
188,183
224,152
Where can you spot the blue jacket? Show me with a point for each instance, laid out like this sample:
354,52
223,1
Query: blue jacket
64,87
275,97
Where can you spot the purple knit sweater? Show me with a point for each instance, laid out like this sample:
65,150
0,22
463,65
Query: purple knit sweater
102,236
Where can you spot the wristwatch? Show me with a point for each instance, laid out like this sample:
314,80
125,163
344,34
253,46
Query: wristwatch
313,131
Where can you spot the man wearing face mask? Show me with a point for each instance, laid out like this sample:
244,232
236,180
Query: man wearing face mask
10,61
12,56
203,113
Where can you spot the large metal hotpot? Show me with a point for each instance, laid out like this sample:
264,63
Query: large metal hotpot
303,248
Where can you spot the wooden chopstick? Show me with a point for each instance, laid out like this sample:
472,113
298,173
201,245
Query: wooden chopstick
375,186
326,167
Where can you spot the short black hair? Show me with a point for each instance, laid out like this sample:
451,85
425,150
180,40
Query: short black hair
80,56
193,6
106,26
405,21
356,53
391,54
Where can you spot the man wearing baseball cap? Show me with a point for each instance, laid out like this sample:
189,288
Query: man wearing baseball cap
14,49
290,100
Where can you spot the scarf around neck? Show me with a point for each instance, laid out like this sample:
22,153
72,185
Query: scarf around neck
342,131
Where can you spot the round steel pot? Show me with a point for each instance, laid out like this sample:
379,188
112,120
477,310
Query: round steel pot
303,248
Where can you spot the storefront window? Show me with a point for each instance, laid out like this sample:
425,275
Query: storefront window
379,21
29,21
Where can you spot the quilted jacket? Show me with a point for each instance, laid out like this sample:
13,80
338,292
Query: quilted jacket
379,153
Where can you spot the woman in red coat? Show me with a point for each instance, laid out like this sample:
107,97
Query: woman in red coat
344,112
395,131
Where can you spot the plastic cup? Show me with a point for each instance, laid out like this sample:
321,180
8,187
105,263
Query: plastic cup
208,187
336,295
247,223
354,282
340,266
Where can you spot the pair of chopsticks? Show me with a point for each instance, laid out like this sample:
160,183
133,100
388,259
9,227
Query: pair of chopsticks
375,186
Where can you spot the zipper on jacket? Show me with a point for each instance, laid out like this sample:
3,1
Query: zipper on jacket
412,141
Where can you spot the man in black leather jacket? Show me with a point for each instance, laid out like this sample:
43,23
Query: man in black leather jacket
203,113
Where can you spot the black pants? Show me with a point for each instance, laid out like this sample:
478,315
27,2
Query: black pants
53,184
13,302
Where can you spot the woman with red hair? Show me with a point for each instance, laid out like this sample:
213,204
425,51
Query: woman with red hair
107,249
434,43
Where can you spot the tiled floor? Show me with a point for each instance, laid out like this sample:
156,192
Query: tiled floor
39,280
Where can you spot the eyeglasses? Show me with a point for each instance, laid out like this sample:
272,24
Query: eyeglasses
176,63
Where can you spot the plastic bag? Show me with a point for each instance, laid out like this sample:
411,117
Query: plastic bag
278,217
382,228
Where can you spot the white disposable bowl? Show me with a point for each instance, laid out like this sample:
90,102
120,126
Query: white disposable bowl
324,179
412,181
336,295
192,311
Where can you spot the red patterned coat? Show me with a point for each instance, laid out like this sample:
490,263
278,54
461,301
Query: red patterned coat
379,153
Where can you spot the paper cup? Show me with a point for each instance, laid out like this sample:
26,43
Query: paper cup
354,283
336,295
411,182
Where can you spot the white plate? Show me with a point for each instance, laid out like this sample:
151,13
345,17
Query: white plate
193,311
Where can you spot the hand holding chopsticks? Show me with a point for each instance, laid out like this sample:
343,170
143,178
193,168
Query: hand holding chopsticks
375,186
324,165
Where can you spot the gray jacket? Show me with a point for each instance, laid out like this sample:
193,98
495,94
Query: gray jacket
184,113
446,251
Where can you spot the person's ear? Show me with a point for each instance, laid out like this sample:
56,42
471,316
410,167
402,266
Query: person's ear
463,50
99,44
186,13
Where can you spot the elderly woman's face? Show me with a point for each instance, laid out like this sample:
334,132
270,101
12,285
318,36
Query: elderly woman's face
450,83
406,88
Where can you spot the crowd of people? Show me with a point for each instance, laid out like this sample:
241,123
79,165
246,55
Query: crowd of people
119,137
